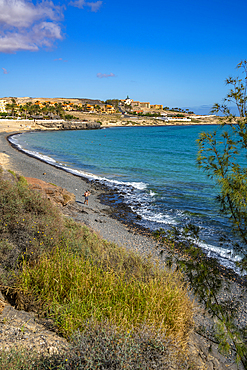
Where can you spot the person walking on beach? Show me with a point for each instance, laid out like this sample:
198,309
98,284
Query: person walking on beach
86,195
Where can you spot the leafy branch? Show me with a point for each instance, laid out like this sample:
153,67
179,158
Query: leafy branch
205,278
222,155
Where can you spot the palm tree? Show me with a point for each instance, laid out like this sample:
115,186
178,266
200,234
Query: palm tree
59,109
44,110
24,108
36,109
8,107
11,106
21,110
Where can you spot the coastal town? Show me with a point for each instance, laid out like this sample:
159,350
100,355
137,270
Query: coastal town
113,112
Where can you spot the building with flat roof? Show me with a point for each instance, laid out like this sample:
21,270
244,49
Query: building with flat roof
156,106
3,103
140,104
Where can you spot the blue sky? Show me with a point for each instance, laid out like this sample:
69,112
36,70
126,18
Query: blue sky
175,53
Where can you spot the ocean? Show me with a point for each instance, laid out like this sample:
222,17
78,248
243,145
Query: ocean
154,168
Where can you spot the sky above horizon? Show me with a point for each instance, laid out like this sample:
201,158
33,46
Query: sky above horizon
175,53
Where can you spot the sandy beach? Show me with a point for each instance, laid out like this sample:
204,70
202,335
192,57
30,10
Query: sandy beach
103,219
10,125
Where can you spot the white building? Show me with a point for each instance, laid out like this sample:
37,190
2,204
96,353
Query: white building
128,101
2,105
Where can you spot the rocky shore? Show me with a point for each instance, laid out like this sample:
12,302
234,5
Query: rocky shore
10,125
104,219
68,125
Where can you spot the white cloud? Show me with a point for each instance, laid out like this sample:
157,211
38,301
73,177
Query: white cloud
22,13
78,3
46,31
5,71
94,6
28,25
81,3
60,60
12,42
104,75
25,26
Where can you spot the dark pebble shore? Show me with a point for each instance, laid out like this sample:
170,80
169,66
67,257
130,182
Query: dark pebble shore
98,215
112,220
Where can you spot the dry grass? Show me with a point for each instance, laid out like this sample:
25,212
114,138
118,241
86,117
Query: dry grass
75,277
74,289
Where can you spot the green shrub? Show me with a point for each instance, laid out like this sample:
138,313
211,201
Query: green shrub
28,223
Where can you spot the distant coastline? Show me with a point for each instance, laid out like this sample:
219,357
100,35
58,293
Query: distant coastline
15,126
97,120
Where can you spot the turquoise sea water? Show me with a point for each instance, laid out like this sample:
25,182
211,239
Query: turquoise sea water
154,167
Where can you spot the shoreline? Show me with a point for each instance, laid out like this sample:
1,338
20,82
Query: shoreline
29,166
102,214
117,208
26,125
102,219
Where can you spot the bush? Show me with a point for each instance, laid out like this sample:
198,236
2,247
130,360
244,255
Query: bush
28,224
104,347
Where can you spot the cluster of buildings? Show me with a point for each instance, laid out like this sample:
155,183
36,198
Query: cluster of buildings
138,104
3,103
77,105
65,105
104,108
